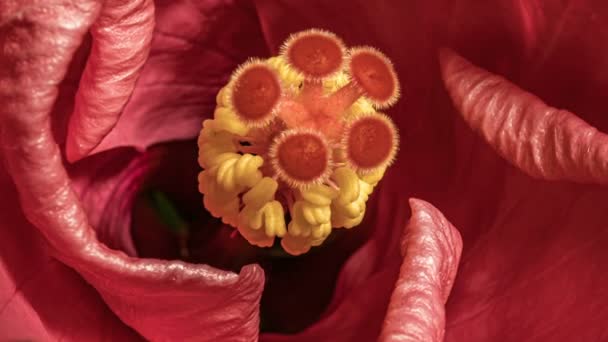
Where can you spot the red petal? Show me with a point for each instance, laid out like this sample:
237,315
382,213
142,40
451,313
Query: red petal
40,298
533,269
195,48
542,141
161,300
365,284
121,41
431,249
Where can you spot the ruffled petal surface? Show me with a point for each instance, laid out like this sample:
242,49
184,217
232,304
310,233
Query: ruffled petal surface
431,249
41,299
553,230
533,250
543,141
161,300
503,214
195,47
121,41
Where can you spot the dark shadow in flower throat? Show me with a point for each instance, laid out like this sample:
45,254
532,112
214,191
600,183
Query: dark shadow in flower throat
170,222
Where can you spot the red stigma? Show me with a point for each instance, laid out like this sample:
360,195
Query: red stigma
374,74
370,142
256,93
301,158
316,54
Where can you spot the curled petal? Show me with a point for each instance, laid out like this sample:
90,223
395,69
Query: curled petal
431,249
121,42
41,299
542,141
161,300
192,53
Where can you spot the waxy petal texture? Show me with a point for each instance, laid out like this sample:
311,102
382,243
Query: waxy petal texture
161,300
527,274
431,249
427,250
195,47
41,299
543,141
534,269
121,42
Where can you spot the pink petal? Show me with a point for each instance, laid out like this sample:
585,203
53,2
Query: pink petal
106,185
533,266
41,299
364,285
431,249
543,141
161,300
195,48
121,42
363,289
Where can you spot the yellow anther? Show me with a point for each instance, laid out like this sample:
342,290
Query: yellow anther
246,170
296,245
316,215
348,182
208,185
256,237
226,120
366,188
222,99
222,157
299,244
262,193
212,145
299,226
252,217
261,210
320,233
345,222
351,214
319,194
289,76
238,171
220,203
225,174
274,219
373,177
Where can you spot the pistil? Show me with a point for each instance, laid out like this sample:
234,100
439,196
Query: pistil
296,145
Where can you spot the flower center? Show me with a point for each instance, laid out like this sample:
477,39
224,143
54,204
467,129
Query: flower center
296,145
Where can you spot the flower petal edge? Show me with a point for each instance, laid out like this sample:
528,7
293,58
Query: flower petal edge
431,247
122,35
542,141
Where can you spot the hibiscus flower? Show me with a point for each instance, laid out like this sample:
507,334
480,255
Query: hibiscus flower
85,254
